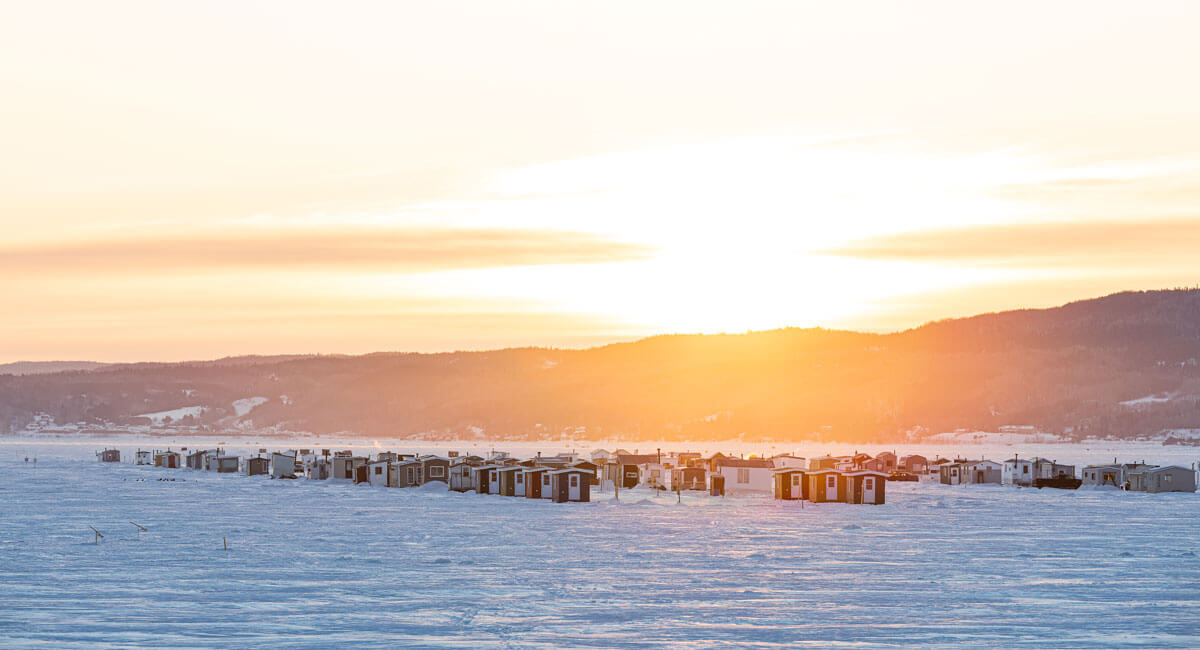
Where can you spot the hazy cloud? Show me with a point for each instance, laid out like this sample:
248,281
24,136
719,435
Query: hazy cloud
409,250
1075,243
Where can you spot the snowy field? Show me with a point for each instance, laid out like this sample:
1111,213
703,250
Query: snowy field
317,564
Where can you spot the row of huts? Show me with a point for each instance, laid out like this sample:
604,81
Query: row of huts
555,478
1042,472
564,477
856,478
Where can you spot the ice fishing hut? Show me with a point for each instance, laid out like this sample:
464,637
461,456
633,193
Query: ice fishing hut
258,466
210,459
227,464
689,478
537,482
887,460
319,470
570,484
435,468
790,484
283,465
485,479
1163,479
168,459
952,473
195,460
914,463
746,475
381,473
346,467
979,472
408,473
510,481
826,485
110,456
143,457
461,477
591,467
865,486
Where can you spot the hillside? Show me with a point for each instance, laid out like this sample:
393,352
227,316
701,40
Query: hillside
1065,369
45,367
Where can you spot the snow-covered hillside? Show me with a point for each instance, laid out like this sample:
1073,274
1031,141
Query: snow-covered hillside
319,564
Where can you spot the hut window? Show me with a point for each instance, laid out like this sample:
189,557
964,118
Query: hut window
869,483
520,478
437,471
743,476
1166,478
378,469
831,481
574,480
795,479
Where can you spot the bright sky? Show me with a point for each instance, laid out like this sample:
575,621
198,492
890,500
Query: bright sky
183,180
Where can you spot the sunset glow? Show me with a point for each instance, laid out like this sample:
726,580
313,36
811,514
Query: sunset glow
406,176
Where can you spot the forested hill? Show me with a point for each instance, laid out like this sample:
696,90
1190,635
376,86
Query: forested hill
1063,369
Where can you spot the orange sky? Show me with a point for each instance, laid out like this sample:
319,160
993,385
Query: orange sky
192,180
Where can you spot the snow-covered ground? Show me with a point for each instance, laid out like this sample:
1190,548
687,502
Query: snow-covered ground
159,417
243,406
317,563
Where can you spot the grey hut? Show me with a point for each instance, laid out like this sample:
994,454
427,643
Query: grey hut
462,477
258,466
283,465
195,460
1163,479
408,473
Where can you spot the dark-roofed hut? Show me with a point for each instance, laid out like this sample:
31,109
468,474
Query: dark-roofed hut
258,466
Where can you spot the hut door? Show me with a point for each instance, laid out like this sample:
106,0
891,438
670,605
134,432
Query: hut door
795,486
868,489
573,491
831,487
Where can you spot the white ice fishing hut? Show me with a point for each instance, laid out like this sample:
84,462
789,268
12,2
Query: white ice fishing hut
382,473
283,465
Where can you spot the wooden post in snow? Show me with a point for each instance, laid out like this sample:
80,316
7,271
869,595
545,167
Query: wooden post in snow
225,543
